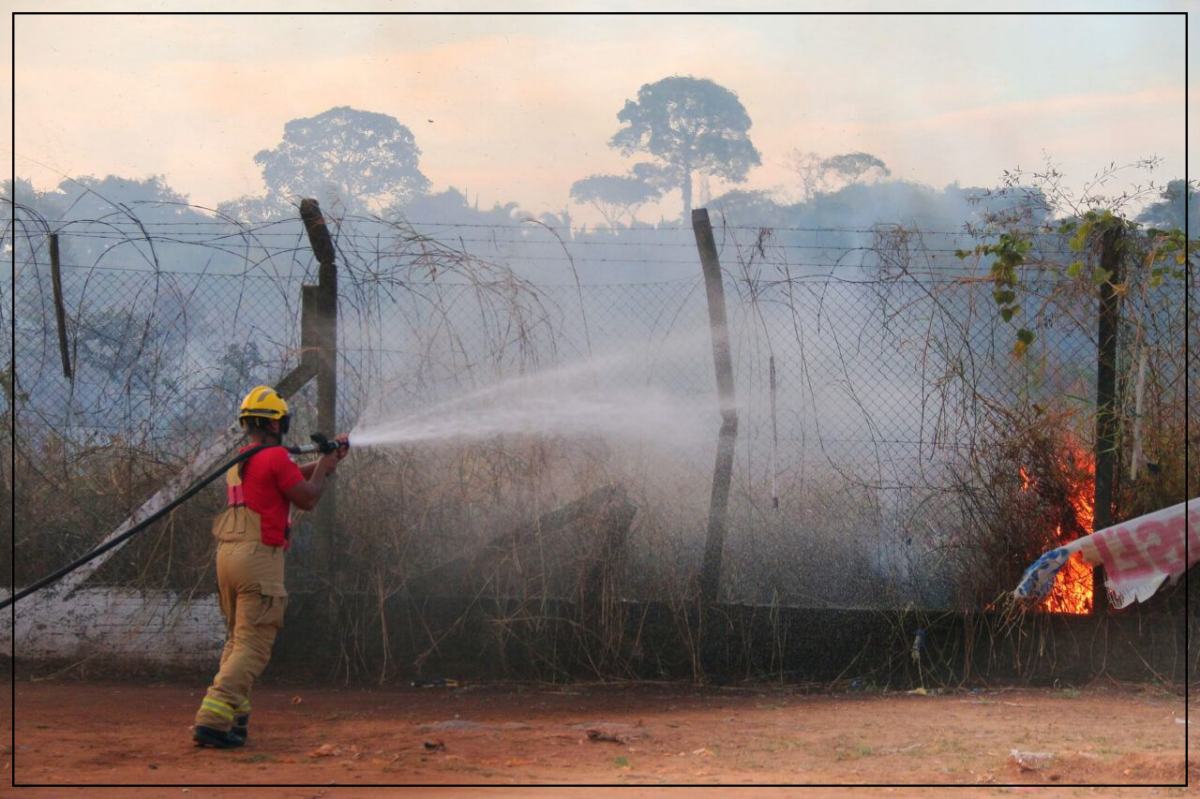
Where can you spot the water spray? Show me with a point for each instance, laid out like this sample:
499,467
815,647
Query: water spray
559,401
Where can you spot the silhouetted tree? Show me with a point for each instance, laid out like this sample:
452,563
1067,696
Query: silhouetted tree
1173,209
690,125
852,167
614,196
819,175
127,210
249,210
750,208
109,198
362,159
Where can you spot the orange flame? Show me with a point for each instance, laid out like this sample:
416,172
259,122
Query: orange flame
1073,588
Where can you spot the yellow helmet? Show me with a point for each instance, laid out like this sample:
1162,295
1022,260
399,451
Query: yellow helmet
264,403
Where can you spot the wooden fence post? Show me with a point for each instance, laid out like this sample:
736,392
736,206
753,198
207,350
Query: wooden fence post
326,335
60,311
710,570
1106,410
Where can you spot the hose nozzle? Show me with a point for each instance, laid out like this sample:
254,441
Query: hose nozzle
321,444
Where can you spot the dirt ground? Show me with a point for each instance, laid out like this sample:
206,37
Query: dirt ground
121,733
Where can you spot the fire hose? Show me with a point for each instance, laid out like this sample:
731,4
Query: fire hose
320,444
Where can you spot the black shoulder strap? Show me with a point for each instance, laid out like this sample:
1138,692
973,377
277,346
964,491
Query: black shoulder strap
242,466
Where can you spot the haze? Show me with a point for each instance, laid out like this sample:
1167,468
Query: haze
518,108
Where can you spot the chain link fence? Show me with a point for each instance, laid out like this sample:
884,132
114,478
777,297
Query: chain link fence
871,372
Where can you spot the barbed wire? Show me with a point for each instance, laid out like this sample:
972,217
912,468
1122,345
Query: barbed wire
886,362
525,225
579,239
931,269
870,277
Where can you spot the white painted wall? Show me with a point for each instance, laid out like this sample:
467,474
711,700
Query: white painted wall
160,627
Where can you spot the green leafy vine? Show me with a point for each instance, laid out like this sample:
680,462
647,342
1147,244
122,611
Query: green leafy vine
1162,253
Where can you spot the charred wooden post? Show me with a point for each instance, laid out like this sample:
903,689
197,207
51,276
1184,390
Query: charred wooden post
573,554
601,614
574,545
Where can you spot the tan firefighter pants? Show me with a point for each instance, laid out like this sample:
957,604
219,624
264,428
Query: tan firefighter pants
253,600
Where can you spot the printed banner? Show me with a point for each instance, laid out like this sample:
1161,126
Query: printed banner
1138,555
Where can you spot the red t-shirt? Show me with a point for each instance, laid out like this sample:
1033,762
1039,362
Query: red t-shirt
265,478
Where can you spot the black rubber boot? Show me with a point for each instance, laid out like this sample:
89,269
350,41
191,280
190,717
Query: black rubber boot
217,739
241,726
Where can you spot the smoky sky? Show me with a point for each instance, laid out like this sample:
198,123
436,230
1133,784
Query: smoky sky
517,108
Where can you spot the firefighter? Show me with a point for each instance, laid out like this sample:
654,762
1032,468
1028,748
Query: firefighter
252,536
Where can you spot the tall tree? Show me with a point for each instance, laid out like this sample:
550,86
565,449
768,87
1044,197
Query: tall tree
614,196
1178,204
689,125
819,175
363,159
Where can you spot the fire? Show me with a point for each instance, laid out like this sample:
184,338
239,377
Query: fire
1073,589
1072,592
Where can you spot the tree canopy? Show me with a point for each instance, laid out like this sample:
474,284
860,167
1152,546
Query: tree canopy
1177,207
361,159
819,175
689,125
614,196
